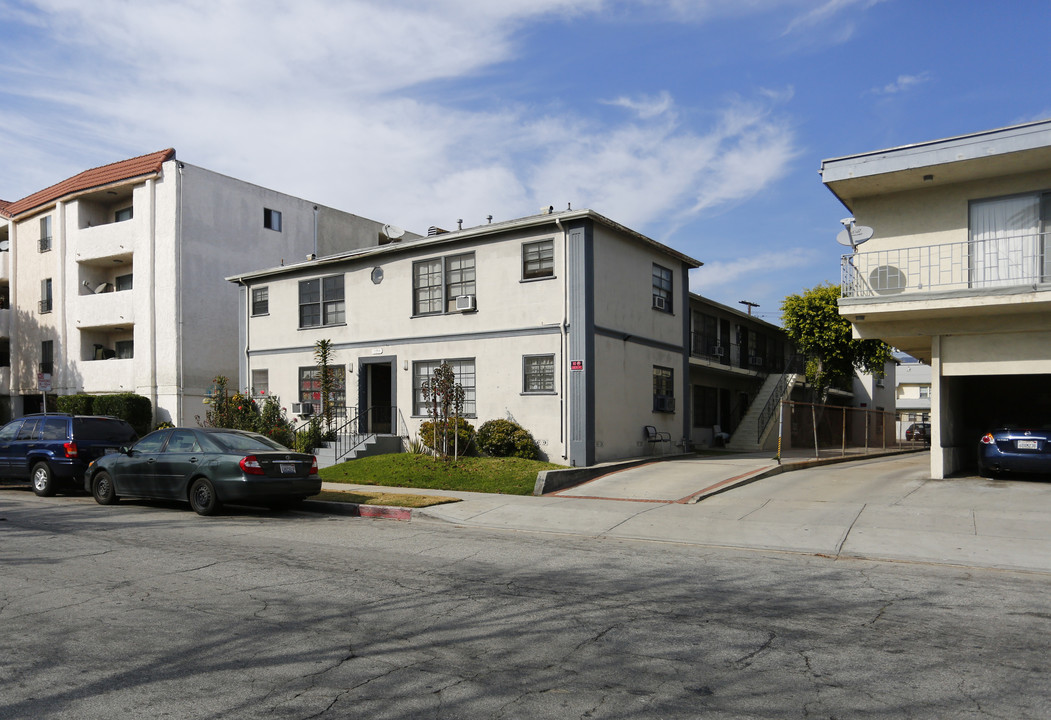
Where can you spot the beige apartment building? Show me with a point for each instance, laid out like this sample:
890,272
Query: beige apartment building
957,273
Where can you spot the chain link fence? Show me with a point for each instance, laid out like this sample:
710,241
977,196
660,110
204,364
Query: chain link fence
828,430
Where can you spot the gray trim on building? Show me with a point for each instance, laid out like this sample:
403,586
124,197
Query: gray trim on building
581,343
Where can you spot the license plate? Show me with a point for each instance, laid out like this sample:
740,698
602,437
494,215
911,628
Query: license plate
287,468
108,451
1026,444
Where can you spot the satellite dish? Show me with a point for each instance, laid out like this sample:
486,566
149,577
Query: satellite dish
5,245
854,235
393,231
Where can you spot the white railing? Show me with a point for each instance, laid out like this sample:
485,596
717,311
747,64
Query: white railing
998,262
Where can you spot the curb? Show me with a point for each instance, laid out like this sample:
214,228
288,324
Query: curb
386,512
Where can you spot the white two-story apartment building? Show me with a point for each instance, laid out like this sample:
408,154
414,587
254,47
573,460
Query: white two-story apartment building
957,274
113,280
569,323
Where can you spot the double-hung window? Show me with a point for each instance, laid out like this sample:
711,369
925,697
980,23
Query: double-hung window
438,282
663,389
261,300
463,375
538,259
538,374
260,382
1007,240
310,387
662,288
321,302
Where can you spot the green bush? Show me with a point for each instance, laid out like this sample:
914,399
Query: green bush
433,435
504,438
311,437
134,409
79,404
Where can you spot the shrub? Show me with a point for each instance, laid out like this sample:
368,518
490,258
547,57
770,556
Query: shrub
134,409
311,437
434,435
79,404
504,438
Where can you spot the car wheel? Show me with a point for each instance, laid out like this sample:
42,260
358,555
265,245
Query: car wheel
103,490
42,480
202,497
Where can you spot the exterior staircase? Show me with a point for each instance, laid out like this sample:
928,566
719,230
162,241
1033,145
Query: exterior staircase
371,445
749,437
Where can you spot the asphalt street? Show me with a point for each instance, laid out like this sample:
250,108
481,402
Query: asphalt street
147,610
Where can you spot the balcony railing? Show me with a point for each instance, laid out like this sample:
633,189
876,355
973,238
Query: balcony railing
1016,260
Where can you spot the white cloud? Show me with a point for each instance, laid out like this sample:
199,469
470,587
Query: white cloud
645,107
320,99
823,14
714,277
902,84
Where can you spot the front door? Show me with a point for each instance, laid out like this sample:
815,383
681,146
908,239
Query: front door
377,394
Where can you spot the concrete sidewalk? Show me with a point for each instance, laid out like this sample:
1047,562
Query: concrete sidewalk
876,508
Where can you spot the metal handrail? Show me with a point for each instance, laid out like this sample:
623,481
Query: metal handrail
1016,260
792,368
348,439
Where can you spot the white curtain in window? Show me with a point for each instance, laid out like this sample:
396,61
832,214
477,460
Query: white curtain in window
1005,241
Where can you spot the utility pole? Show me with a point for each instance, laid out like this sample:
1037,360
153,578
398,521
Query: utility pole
750,305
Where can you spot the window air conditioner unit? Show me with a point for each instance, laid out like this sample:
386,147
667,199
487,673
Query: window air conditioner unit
717,351
664,404
302,408
755,360
660,303
465,303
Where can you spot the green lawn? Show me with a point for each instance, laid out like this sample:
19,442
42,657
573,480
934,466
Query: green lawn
508,476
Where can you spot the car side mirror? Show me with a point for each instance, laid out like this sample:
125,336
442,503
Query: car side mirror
125,450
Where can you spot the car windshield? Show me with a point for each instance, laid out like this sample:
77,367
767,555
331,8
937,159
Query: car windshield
238,441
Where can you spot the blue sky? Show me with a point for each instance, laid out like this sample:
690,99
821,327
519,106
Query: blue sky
699,123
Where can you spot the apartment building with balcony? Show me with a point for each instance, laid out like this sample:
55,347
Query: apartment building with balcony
113,280
912,393
574,326
956,273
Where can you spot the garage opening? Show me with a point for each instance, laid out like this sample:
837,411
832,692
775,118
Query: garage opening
980,403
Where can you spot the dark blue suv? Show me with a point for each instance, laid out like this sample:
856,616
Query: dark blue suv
54,449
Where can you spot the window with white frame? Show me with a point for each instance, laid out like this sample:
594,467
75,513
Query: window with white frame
260,382
45,233
261,300
538,374
1007,243
662,288
925,391
45,295
437,282
310,387
463,374
663,389
272,219
538,259
321,302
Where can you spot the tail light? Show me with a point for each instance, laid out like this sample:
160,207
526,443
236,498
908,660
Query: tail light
250,465
988,439
313,466
71,449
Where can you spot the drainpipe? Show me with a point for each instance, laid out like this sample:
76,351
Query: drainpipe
315,231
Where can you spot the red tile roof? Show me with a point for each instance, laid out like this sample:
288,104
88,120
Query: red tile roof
97,177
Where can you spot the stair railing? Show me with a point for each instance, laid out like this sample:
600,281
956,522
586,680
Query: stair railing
793,367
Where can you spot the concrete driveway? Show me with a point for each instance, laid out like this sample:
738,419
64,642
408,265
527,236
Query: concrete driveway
884,508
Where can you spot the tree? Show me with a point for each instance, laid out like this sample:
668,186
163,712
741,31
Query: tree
323,357
823,336
445,398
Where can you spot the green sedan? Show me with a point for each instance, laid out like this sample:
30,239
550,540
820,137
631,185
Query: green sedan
207,467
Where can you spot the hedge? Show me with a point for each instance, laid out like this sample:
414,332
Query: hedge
134,409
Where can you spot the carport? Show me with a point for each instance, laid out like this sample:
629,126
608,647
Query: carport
972,405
